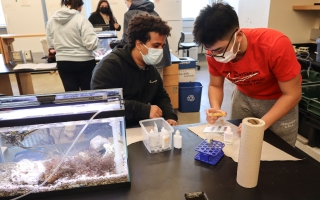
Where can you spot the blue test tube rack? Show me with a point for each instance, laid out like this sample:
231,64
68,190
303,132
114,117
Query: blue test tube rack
209,153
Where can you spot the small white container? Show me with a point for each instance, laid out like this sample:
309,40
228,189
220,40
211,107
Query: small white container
228,136
177,140
159,123
165,139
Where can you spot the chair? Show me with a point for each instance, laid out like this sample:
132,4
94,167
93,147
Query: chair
185,46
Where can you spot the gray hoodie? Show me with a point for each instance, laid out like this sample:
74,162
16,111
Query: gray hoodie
139,7
71,35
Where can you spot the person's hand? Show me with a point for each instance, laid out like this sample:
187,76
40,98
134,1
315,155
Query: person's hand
239,129
52,51
214,114
172,122
116,25
155,112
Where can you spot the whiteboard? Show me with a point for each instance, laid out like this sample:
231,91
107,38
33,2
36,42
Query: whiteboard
24,17
53,5
169,9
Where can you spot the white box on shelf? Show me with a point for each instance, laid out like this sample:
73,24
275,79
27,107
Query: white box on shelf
187,69
187,75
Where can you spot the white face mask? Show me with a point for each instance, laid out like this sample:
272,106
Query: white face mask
153,57
228,55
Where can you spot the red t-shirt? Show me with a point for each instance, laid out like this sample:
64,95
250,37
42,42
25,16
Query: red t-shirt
269,58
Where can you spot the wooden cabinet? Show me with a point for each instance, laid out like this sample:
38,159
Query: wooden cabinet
171,83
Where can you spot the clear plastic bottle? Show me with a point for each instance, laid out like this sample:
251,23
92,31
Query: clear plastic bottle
177,140
158,135
165,139
228,136
153,139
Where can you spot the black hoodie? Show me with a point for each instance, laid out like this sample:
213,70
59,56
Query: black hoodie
141,88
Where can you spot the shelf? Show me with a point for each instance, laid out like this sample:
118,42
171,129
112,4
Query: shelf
311,7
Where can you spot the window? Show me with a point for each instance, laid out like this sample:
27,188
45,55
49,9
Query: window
191,8
2,19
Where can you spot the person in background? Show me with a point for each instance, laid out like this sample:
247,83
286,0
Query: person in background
138,7
104,15
73,38
260,62
132,68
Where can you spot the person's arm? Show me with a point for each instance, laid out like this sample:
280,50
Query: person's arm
291,95
107,75
285,67
215,93
125,28
92,19
116,25
89,37
163,101
49,35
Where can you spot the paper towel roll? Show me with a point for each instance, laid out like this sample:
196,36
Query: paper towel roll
250,152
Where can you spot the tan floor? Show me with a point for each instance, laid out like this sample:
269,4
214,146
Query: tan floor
42,83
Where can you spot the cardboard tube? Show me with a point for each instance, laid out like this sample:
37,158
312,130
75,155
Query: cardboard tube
250,152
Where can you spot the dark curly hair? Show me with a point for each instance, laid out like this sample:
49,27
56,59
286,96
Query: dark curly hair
216,22
140,26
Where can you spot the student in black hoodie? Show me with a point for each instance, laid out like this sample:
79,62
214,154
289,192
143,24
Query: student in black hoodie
132,68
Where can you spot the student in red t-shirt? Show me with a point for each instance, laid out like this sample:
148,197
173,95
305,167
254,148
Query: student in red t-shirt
262,64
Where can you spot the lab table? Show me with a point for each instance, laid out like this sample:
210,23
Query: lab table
171,174
23,77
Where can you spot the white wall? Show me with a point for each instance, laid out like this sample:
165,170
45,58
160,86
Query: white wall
278,14
253,13
234,4
296,25
24,17
53,5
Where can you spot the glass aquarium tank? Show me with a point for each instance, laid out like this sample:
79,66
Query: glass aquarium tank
64,141
105,37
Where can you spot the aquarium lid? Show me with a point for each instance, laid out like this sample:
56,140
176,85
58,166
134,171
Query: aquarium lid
55,100
58,110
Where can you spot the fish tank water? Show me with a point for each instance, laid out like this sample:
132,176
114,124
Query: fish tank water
62,141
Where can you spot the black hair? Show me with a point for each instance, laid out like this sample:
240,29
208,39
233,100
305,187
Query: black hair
216,22
140,26
74,4
112,20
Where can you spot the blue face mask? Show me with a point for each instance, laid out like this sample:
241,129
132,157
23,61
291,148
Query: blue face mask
153,57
